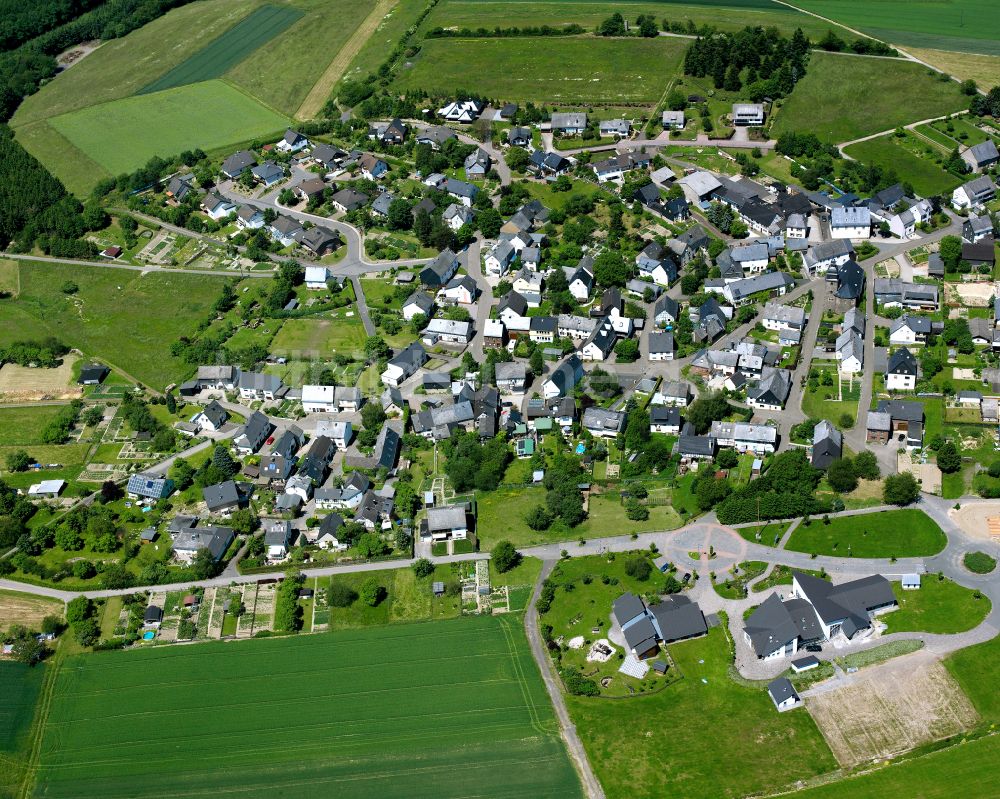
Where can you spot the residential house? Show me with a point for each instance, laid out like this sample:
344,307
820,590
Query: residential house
675,393
222,378
909,330
435,136
767,284
233,166
277,539
666,311
448,331
149,487
477,163
380,205
902,371
372,167
581,279
820,257
981,255
403,365
216,206
455,216
327,156
796,226
224,498
981,156
253,434
664,420
459,291
519,137
760,439
771,392
439,271
249,218
751,258
268,173
347,200
291,142
827,445
259,386
328,534
692,447
601,343
284,229
748,114
661,346
511,377
783,317
674,618
499,258
614,128
603,423
338,431
976,228
783,694
464,192
420,302
899,419
463,111
893,292
179,187
191,540
672,120
211,417
548,165
316,277
448,522
563,378
542,329
569,124
700,187
850,222
974,194
494,333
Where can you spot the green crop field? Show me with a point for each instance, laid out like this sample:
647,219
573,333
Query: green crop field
419,710
722,14
903,533
827,101
926,176
123,134
703,737
971,26
126,318
225,52
19,686
566,70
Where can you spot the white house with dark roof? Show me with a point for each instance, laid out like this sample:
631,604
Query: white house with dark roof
974,194
902,371
981,156
850,222
291,142
569,124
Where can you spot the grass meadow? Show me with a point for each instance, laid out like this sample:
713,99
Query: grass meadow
926,176
123,134
563,71
229,49
703,737
971,26
127,319
905,533
421,710
24,425
722,14
314,337
827,101
939,606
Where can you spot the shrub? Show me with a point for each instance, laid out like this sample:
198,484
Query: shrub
341,595
638,567
505,557
372,592
578,685
979,562
423,568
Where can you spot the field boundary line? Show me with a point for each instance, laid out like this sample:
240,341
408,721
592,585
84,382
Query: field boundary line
335,70
38,731
520,676
253,97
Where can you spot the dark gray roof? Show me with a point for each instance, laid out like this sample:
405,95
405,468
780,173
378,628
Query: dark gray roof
770,626
627,607
781,690
853,599
221,496
902,362
678,618
640,636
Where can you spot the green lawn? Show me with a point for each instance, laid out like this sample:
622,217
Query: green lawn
826,101
905,533
321,336
127,319
564,70
229,49
926,176
817,406
939,606
768,532
704,736
123,134
958,770
979,562
415,710
407,598
963,25
24,425
502,512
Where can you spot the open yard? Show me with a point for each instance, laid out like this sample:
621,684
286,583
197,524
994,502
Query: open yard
965,25
891,708
127,319
229,49
939,606
926,176
826,101
26,609
556,71
123,134
905,533
422,710
703,736
321,337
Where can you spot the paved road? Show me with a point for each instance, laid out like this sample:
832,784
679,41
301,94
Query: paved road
553,685
362,303
130,267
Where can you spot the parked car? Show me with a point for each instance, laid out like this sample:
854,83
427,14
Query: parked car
814,648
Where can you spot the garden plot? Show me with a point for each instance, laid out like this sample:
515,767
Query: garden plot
891,709
264,609
244,625
25,384
204,614
975,295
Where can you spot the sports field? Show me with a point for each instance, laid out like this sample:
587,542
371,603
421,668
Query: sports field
123,134
971,26
125,318
566,70
225,52
827,101
722,14
450,708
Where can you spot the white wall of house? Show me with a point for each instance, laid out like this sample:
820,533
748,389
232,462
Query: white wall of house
896,382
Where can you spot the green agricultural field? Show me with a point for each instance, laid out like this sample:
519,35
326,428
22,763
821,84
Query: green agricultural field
421,710
563,71
826,101
970,26
905,533
20,686
926,176
123,134
702,737
229,49
940,606
71,165
321,337
959,770
385,37
975,669
721,14
125,318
